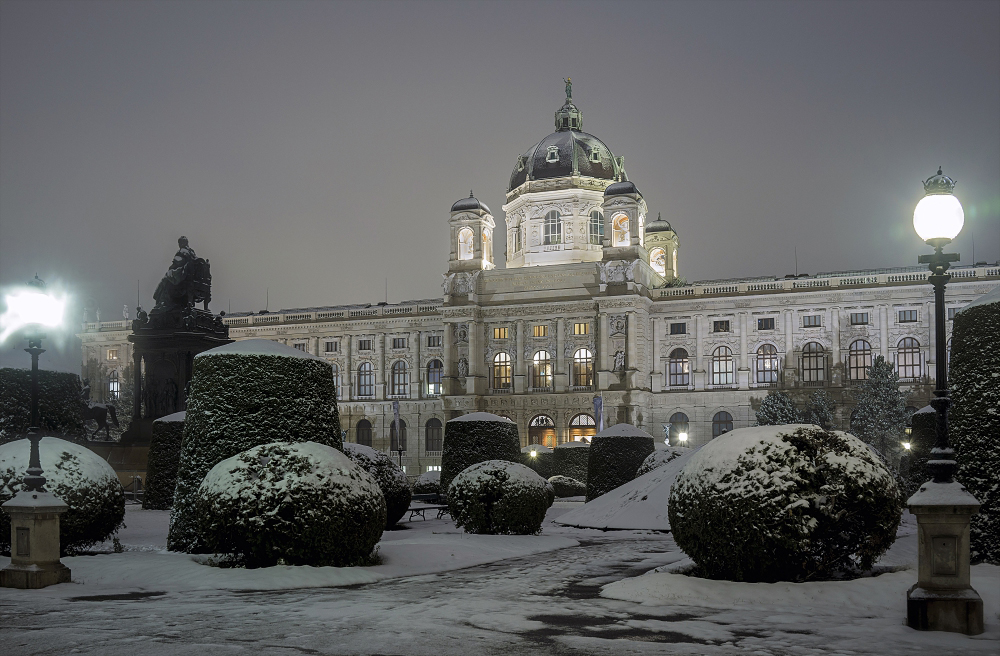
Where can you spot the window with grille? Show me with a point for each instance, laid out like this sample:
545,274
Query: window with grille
907,316
435,371
596,228
366,379
812,321
723,366
859,359
908,358
581,328
859,318
400,379
720,326
767,364
433,436
331,347
399,342
679,423
679,368
366,345
583,368
114,386
363,432
499,333
397,442
722,422
112,354
678,328
765,323
552,228
813,363
541,370
300,346
540,331
434,341
501,371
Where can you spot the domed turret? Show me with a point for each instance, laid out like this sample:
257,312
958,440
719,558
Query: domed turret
470,203
659,225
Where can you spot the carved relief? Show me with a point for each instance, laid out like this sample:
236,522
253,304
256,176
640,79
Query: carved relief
461,332
618,271
463,368
616,324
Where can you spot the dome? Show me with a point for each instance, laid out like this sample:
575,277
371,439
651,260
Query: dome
470,203
621,188
659,225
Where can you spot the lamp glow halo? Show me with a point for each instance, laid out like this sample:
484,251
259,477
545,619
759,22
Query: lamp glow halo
938,216
27,307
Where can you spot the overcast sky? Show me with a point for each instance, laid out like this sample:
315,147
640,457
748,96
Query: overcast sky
312,150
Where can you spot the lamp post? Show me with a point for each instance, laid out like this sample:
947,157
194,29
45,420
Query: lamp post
942,599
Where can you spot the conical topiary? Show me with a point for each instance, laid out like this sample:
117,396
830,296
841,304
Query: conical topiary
475,438
615,455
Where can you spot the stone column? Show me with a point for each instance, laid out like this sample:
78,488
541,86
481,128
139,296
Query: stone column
883,331
559,377
448,374
419,372
743,375
699,375
348,383
381,375
835,365
656,377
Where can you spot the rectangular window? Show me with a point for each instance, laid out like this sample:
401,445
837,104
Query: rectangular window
112,354
678,328
951,313
767,323
433,467
434,341
331,347
300,346
499,333
812,321
581,328
365,345
540,331
907,316
859,318
399,342
720,326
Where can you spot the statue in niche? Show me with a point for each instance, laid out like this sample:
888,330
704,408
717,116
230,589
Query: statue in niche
187,281
619,361
463,368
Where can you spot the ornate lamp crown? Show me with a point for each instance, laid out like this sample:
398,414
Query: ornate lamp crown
939,184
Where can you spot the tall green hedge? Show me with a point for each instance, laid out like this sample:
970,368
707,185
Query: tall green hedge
475,438
243,395
541,462
59,403
615,455
571,460
975,417
164,458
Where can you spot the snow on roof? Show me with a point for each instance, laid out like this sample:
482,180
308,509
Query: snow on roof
481,416
259,347
177,416
925,410
986,299
623,430
535,447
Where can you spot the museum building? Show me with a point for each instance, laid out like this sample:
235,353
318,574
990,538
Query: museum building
591,304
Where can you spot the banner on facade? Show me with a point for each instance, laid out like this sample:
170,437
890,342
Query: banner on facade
599,412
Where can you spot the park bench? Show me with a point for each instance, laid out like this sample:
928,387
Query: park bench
421,503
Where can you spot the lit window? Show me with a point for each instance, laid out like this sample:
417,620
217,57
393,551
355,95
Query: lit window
767,363
722,422
859,318
619,231
812,321
596,228
766,323
813,363
553,228
331,347
908,358
583,368
581,328
112,354
678,368
542,430
907,316
434,439
434,341
488,244
397,442
336,378
399,342
363,432
951,313
541,370
501,371
552,153
400,379
114,387
582,427
433,467
658,260
499,333
859,359
540,331
678,329
366,379
723,366
720,326
300,346
466,246
365,345
679,423
435,370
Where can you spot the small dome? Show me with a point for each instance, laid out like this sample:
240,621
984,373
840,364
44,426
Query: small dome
470,203
939,184
659,225
621,188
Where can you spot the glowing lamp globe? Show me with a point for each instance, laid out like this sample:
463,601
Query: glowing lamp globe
31,307
939,216
683,437
534,453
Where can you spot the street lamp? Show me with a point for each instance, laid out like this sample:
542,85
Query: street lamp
682,438
942,599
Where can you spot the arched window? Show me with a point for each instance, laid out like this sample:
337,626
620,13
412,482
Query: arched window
767,364
582,427
433,434
466,244
658,260
366,379
501,371
619,231
435,371
679,368
813,363
908,358
397,442
487,244
679,423
596,228
400,379
552,230
114,387
363,432
723,366
722,422
583,368
542,430
336,378
859,359
541,370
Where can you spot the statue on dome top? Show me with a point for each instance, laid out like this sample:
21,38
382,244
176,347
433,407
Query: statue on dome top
569,87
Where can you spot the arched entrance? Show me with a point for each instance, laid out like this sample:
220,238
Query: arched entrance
542,430
582,427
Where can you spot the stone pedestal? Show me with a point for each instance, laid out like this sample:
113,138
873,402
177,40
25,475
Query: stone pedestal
34,541
943,598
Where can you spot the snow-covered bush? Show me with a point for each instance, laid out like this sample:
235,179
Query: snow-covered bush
784,503
541,462
819,410
777,409
297,503
658,458
615,456
243,395
550,492
564,486
59,403
477,437
879,418
498,497
164,457
975,416
78,476
570,460
388,475
428,483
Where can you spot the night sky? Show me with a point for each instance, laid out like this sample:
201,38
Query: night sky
312,150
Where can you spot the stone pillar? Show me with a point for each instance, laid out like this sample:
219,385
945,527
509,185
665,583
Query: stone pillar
743,375
656,376
883,331
475,359
559,377
419,372
381,375
448,374
348,382
520,366
34,541
631,355
835,365
698,374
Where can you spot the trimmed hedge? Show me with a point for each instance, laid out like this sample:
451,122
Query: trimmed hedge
295,504
975,418
390,478
658,458
164,458
615,455
784,503
60,405
475,438
541,463
563,486
913,464
498,497
428,483
243,395
571,460
79,477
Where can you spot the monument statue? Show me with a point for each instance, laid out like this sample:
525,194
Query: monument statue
569,87
186,282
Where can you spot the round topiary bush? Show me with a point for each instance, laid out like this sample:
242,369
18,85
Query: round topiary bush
541,461
78,476
615,456
388,475
784,503
658,458
570,459
498,497
164,457
563,486
477,437
550,492
428,483
298,504
243,395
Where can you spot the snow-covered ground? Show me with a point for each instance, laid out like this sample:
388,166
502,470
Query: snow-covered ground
439,592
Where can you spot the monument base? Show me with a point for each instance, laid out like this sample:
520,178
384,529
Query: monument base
33,576
957,611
